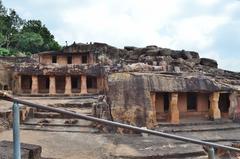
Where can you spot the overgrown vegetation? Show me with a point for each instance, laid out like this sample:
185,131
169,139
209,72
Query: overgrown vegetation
19,37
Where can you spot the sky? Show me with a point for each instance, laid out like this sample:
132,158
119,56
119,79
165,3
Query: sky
210,27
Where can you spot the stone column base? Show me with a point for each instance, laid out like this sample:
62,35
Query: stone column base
214,114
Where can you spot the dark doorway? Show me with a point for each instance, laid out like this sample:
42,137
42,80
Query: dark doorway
91,82
84,59
166,101
43,84
5,87
60,84
26,83
54,59
69,59
162,106
76,85
191,101
224,102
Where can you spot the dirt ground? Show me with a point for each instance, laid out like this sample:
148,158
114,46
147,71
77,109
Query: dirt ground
116,146
65,145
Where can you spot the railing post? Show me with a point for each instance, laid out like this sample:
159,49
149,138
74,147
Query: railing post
211,154
16,132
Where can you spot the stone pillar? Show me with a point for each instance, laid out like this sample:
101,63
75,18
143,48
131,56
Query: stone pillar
52,85
233,104
173,111
83,84
34,85
99,83
214,112
236,116
19,84
153,102
68,85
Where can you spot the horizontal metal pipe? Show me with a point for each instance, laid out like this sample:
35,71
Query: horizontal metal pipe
116,124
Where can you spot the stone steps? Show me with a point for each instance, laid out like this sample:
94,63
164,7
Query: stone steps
59,125
44,120
199,128
77,110
58,122
185,151
193,123
54,115
73,129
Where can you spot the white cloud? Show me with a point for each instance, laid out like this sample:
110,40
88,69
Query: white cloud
208,2
134,22
196,32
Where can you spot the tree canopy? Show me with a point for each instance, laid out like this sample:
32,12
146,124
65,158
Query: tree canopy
20,36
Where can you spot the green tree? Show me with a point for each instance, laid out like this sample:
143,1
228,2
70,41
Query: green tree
36,26
2,38
29,42
18,36
4,52
10,25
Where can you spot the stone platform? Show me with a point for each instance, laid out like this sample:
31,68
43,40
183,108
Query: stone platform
28,151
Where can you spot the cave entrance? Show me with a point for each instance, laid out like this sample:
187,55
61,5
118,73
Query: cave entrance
76,84
92,84
60,84
26,83
5,87
43,84
162,106
224,104
191,101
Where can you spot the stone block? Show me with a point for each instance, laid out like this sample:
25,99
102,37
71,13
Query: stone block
28,151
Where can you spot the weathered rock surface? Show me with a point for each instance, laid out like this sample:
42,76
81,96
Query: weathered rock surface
208,62
28,151
55,69
130,98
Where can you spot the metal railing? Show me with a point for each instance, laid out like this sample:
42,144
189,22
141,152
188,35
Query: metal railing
16,127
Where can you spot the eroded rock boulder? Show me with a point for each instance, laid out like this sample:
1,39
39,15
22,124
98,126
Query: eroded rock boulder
208,62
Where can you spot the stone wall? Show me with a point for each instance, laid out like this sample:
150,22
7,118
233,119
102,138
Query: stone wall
182,102
45,59
77,59
130,100
61,60
5,77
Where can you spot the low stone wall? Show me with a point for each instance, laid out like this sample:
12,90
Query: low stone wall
6,118
28,151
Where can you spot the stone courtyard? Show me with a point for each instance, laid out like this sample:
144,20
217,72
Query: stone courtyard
108,146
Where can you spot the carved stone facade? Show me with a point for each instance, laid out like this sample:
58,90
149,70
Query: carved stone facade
144,85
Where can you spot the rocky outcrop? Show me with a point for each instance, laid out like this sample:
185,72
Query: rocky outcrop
130,98
208,62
